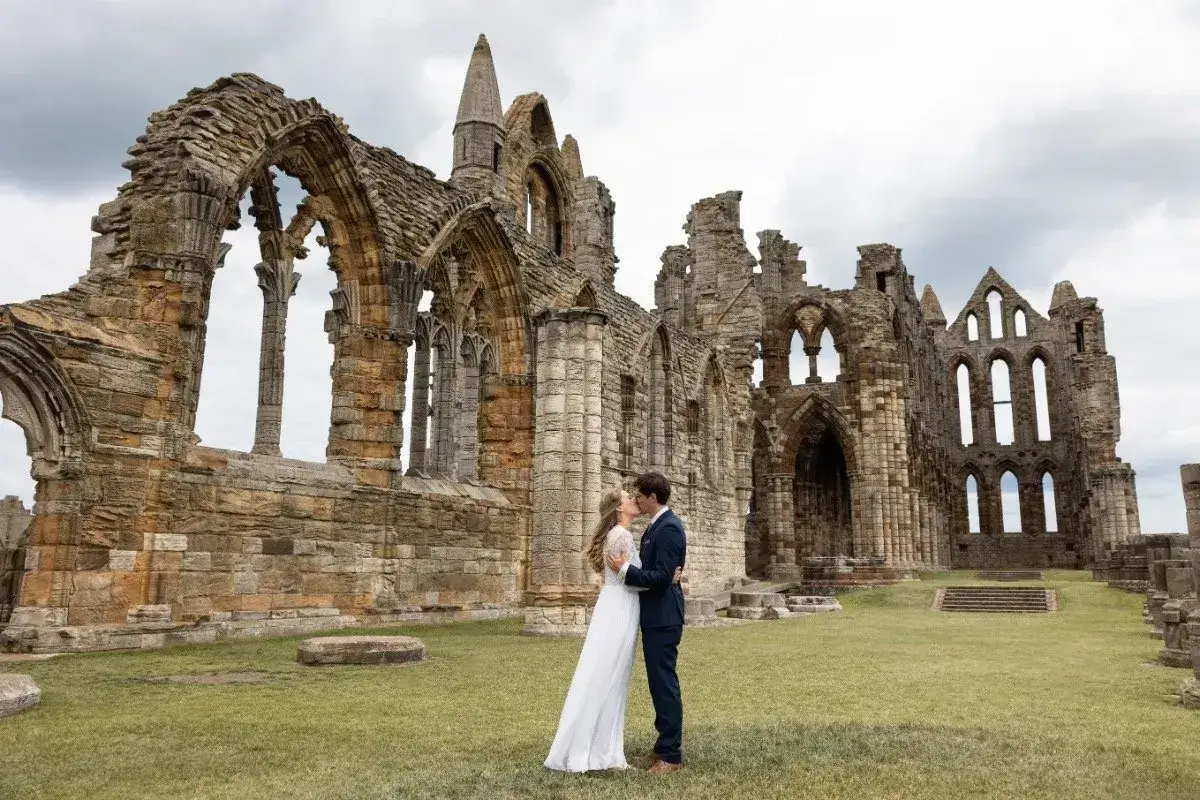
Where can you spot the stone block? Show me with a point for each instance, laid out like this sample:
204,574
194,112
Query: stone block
17,693
327,650
121,560
171,542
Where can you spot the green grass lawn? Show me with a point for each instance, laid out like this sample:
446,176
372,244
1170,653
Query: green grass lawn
885,700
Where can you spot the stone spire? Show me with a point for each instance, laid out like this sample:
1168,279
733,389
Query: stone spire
479,133
572,163
932,307
480,101
1064,295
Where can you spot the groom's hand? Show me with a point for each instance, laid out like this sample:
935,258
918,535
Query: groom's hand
615,562
678,575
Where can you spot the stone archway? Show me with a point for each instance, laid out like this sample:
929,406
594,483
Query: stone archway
36,395
820,455
822,506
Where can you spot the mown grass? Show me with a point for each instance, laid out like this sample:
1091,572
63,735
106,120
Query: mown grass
886,700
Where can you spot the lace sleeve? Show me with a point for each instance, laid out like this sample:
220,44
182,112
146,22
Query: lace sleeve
618,542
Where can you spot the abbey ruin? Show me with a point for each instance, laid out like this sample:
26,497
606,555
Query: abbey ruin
535,386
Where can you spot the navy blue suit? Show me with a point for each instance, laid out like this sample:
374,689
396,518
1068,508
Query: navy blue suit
664,547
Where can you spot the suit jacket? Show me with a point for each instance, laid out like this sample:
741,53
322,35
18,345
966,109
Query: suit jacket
664,547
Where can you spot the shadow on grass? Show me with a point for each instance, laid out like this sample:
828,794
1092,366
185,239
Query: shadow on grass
728,759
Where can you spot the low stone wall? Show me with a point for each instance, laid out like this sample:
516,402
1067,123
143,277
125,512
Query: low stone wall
1014,551
265,545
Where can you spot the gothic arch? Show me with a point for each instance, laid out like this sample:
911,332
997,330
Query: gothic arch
830,319
799,426
181,198
1005,355
955,361
41,400
657,335
475,228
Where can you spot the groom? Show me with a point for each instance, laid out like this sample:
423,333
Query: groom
664,547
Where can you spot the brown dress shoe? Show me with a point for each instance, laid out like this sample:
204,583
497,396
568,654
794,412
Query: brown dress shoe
663,767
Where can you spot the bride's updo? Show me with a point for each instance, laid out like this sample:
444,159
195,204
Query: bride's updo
610,504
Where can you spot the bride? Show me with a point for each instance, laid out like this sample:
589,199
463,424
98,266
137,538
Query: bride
591,730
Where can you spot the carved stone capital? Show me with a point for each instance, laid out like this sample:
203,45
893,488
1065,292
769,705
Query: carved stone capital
277,280
405,284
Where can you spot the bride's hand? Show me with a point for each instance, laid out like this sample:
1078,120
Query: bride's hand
678,575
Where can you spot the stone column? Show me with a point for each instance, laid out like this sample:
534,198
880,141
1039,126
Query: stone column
278,282
567,469
1190,474
814,375
782,524
420,400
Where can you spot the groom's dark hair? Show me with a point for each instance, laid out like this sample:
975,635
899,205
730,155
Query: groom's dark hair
654,483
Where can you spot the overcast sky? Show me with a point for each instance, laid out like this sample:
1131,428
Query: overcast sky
1053,140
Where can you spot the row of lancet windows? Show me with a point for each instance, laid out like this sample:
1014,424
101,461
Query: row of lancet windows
1010,503
704,418
1003,401
444,387
995,304
822,365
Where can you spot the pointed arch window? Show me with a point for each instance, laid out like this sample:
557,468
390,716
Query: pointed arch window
1050,503
660,424
1020,326
995,302
972,328
1041,401
972,505
1010,502
966,424
1002,411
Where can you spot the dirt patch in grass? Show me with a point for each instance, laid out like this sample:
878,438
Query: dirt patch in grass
210,679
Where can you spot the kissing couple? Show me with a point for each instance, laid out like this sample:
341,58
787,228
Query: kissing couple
641,588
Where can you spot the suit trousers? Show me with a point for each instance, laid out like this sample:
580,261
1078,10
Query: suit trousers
660,649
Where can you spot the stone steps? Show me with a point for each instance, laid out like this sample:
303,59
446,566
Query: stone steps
987,599
1010,575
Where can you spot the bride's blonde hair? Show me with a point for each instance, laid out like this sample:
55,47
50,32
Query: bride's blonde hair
610,505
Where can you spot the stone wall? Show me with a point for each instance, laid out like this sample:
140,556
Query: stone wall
1007,551
14,523
536,386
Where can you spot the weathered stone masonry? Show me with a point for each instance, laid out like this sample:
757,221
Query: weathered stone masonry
535,385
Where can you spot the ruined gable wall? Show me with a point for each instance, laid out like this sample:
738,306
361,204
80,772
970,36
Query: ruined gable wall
1027,457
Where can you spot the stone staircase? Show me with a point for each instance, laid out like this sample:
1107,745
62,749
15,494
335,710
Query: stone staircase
996,599
1010,575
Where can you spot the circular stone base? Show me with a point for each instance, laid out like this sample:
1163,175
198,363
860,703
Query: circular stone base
1190,696
17,693
325,650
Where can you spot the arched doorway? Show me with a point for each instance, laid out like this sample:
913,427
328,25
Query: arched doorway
822,496
16,504
36,396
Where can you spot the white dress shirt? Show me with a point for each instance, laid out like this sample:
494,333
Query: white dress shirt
654,519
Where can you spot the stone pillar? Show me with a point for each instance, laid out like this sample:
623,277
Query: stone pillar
420,412
814,375
782,524
567,469
278,282
1190,474
468,419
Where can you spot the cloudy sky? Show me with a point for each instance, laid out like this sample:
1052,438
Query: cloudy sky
1054,141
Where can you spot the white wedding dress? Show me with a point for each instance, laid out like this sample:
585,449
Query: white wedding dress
591,730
